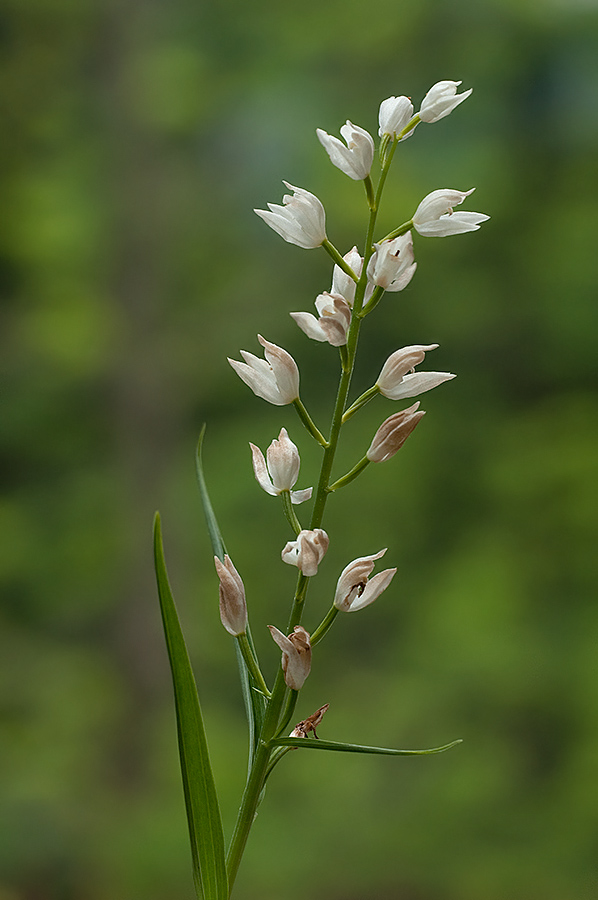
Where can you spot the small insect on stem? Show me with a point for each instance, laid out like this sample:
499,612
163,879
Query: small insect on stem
303,728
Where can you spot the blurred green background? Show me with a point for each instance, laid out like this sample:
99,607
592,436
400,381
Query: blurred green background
137,135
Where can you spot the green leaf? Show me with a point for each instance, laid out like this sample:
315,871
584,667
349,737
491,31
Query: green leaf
213,529
255,703
316,744
201,801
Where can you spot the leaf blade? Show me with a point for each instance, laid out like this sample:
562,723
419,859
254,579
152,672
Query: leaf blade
316,744
201,801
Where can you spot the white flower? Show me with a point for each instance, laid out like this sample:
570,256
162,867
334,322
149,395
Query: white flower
393,433
296,655
301,220
342,283
391,266
354,591
307,552
440,100
355,160
434,217
275,378
282,469
395,114
396,380
233,609
334,321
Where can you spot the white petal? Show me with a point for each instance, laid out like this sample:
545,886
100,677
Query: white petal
261,472
418,383
373,589
283,462
285,370
455,223
310,326
261,384
300,496
403,280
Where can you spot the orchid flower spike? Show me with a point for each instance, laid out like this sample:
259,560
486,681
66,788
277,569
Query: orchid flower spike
354,591
397,380
395,114
434,217
393,433
334,321
391,265
300,220
296,655
355,160
307,552
281,470
233,608
275,378
441,100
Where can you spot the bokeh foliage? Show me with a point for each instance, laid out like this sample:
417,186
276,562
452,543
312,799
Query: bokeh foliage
136,138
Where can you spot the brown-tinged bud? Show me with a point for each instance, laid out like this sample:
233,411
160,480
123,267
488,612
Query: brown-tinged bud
233,608
393,433
296,655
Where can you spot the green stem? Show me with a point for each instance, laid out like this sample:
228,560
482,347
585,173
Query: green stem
289,512
324,626
338,259
287,712
397,232
346,374
309,422
252,664
361,401
373,301
348,478
369,190
276,757
255,781
261,761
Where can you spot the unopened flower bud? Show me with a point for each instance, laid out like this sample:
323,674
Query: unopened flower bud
395,115
355,160
307,552
233,609
391,266
275,378
354,591
397,380
393,433
440,100
296,655
434,217
282,468
301,220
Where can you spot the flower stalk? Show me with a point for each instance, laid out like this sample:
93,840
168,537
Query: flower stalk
309,423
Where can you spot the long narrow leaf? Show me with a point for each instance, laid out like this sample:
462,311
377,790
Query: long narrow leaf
218,545
312,744
201,801
255,703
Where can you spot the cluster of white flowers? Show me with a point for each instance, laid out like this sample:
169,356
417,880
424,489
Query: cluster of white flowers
386,266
